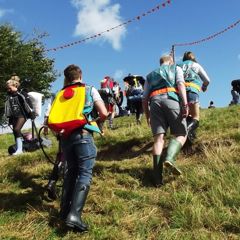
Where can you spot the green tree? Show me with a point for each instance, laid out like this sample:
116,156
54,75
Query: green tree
27,59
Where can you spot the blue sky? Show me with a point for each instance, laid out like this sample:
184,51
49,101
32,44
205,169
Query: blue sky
136,47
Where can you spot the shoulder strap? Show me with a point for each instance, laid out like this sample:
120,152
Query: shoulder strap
80,84
26,101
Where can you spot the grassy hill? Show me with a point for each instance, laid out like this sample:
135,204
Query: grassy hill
204,203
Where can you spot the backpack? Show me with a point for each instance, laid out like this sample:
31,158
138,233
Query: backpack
135,81
36,99
66,113
236,85
19,103
135,87
107,85
107,90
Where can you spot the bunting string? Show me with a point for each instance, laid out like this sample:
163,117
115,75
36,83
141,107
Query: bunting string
209,37
137,18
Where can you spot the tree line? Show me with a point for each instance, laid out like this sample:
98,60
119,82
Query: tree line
27,59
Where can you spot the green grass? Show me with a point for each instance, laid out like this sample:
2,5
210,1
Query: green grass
204,203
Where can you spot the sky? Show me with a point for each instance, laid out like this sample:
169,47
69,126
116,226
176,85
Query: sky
135,47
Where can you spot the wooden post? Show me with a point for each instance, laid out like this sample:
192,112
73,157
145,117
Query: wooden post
173,53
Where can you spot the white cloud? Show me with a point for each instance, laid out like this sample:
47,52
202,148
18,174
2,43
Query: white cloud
95,16
3,12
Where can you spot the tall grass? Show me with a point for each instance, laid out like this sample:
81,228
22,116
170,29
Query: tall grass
204,203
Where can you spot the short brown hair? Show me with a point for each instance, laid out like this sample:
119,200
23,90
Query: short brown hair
165,58
71,73
189,56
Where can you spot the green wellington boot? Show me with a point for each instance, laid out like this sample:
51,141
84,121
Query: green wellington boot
172,152
157,170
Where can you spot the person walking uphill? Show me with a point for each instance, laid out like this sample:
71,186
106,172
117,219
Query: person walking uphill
165,92
79,150
235,91
196,79
18,108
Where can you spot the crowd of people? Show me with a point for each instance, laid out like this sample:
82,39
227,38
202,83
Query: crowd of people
168,96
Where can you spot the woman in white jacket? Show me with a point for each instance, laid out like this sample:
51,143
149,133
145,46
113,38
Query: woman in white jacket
196,79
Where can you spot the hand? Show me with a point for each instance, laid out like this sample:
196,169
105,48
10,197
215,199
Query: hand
32,115
185,111
45,130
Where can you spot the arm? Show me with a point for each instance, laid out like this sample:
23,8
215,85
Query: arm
46,114
99,104
182,93
45,126
101,109
45,121
204,77
182,90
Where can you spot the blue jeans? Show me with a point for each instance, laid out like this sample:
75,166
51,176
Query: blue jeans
192,97
80,153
